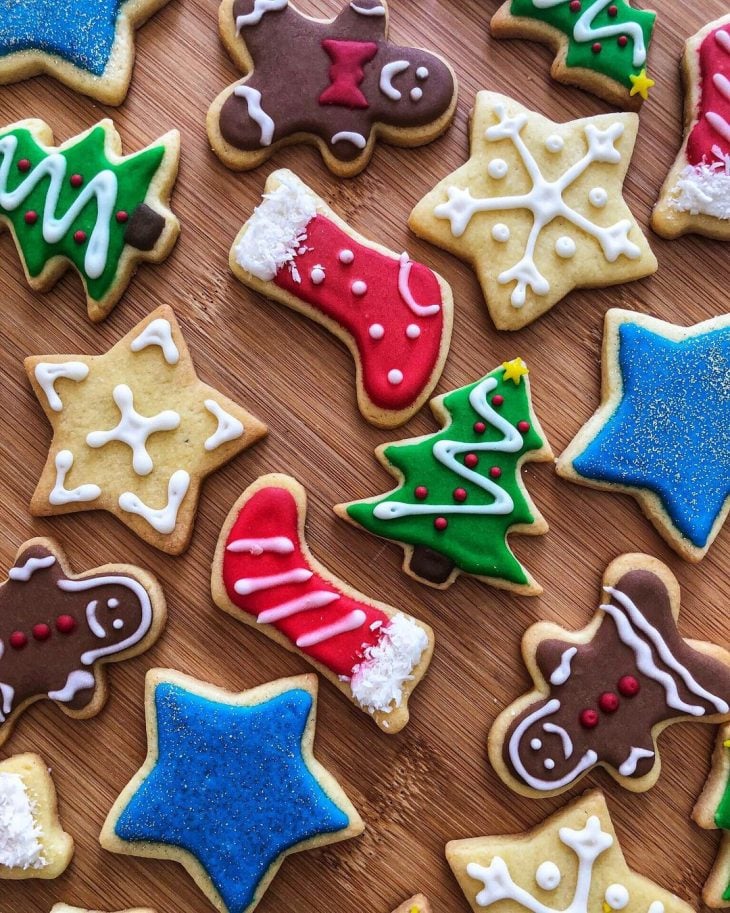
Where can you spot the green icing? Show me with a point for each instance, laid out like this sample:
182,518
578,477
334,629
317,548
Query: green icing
126,190
613,60
722,820
476,543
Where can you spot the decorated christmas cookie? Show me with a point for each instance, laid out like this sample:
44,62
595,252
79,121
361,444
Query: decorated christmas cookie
712,811
230,786
572,861
87,45
417,904
601,45
135,432
265,575
538,208
652,440
85,205
696,195
353,86
392,313
603,695
59,630
460,490
32,842
64,908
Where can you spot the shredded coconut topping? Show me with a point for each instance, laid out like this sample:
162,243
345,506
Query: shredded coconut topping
276,230
377,682
704,189
20,845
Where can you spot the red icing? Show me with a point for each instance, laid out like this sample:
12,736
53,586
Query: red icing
76,180
65,624
31,217
382,304
346,73
41,632
17,640
80,236
273,512
523,427
122,216
589,719
706,138
24,165
608,702
441,523
628,686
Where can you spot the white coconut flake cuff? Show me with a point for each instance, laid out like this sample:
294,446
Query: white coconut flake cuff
704,189
20,846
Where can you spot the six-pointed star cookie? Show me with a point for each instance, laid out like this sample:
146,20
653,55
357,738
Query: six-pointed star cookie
538,208
662,432
230,786
572,861
135,432
86,44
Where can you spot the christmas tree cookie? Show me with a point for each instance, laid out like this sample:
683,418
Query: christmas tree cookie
265,575
712,811
538,208
393,314
601,45
603,695
460,491
652,440
570,862
87,45
85,205
696,194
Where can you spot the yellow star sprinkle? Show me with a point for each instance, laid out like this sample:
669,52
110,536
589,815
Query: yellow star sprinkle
641,84
726,743
607,907
514,370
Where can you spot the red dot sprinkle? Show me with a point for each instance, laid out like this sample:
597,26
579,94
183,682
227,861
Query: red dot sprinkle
122,216
623,41
612,11
17,640
575,5
24,165
596,47
440,523
497,400
628,686
79,236
65,624
608,702
480,427
588,719
471,460
460,494
76,180
495,472
41,632
31,217
523,427
421,492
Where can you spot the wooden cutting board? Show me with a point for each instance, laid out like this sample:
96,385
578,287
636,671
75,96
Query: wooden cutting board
433,782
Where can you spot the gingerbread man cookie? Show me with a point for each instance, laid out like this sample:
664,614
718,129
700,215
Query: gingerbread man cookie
353,85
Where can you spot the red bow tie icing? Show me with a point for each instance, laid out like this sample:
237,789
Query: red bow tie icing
394,314
604,694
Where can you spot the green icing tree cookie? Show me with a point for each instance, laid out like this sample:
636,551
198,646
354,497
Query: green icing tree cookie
460,490
712,811
84,204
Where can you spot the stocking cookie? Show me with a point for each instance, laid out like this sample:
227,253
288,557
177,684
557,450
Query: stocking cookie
604,694
712,811
353,85
650,440
538,209
696,194
32,842
135,432
88,46
601,45
59,630
460,490
572,861
393,314
84,205
268,798
265,575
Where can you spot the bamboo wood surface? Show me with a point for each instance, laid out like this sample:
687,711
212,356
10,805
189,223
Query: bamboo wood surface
432,783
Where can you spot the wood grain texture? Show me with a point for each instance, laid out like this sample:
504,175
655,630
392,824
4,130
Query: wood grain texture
432,783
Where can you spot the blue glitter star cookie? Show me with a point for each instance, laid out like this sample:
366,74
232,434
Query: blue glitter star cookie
662,432
230,786
86,44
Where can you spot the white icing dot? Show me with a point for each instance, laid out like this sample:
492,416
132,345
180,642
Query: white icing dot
548,876
395,376
598,197
617,896
536,744
413,331
416,93
376,331
422,73
317,275
346,256
497,168
113,603
549,763
500,232
554,143
359,287
118,624
565,247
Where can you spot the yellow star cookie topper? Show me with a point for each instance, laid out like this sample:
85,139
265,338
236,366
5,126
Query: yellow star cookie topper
417,904
514,370
571,861
640,84
538,208
135,432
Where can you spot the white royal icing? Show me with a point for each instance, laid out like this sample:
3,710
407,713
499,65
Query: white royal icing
367,10
163,519
561,675
583,29
59,493
256,112
349,136
158,333
548,876
404,290
260,8
79,680
229,428
388,73
20,832
47,373
279,545
26,571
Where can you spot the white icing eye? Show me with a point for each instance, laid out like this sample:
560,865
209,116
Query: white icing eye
117,624
565,247
497,168
617,897
422,73
549,764
376,331
395,376
548,876
416,94
359,288
598,197
113,603
346,256
413,331
500,232
536,744
554,143
317,275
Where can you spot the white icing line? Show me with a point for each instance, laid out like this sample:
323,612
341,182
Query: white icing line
229,428
163,519
158,333
247,585
260,8
47,373
257,114
635,755
388,74
96,629
349,136
280,545
314,600
79,680
59,493
351,621
561,675
404,273
26,571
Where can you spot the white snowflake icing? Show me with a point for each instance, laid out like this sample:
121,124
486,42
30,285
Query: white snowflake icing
544,200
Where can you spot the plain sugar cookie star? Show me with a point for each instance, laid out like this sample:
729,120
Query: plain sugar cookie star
230,786
135,432
538,209
662,432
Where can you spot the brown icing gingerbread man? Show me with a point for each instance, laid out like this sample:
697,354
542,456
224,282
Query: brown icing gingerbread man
336,83
57,630
605,693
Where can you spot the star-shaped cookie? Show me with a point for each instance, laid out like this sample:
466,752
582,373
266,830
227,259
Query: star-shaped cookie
135,432
572,861
538,209
87,45
230,786
662,432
